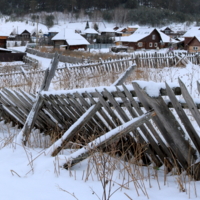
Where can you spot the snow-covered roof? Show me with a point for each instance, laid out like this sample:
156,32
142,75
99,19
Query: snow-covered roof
144,32
71,37
137,35
119,30
108,30
194,31
134,26
90,31
165,27
2,49
2,34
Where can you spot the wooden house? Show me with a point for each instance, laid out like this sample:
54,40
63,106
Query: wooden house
122,32
166,30
193,45
90,34
3,40
191,39
70,40
23,35
173,34
132,29
146,38
110,32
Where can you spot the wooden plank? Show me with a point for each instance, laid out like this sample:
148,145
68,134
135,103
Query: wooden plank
184,118
105,140
107,108
165,150
147,134
191,105
171,129
49,74
125,75
101,112
96,118
73,130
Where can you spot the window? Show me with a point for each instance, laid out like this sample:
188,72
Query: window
195,48
153,37
155,44
150,44
140,44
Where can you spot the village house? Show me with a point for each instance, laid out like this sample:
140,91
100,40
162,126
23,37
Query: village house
132,29
146,38
110,32
3,40
70,40
90,35
121,32
192,40
173,34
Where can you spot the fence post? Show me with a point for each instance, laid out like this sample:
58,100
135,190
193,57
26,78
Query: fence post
31,118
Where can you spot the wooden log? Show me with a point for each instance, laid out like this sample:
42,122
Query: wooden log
105,140
184,118
49,74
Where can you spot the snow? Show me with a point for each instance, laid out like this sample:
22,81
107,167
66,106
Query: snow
71,37
42,179
141,33
90,30
194,31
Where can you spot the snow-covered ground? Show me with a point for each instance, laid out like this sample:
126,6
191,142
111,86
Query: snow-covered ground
24,178
27,176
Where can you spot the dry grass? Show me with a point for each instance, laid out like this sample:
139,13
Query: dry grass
81,54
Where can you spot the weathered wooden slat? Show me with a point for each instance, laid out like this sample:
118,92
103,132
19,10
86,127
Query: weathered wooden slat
87,106
25,132
184,118
172,130
101,112
108,109
105,140
191,105
125,75
73,130
144,130
165,150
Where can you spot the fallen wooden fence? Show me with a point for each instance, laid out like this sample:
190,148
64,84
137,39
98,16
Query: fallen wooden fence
168,139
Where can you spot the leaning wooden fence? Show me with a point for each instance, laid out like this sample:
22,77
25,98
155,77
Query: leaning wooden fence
169,138
68,76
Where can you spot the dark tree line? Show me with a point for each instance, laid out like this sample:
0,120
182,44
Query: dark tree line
25,6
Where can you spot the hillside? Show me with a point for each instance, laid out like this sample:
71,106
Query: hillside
153,12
